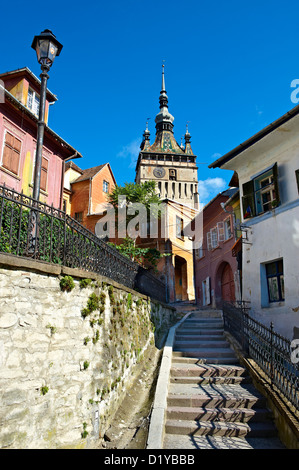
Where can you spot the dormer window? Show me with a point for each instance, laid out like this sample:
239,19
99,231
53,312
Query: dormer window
33,101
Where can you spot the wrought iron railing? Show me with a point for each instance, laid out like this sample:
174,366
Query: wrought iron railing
30,228
271,351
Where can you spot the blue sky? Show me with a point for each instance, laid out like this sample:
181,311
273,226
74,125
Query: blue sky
228,68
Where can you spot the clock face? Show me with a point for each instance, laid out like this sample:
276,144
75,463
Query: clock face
159,172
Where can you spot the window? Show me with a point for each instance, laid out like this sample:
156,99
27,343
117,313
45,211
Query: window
105,186
212,239
275,281
11,153
44,174
261,194
79,217
172,175
199,252
33,101
227,228
179,227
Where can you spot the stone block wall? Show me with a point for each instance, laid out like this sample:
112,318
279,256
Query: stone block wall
67,358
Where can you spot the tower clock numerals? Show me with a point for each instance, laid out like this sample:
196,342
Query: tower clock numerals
159,172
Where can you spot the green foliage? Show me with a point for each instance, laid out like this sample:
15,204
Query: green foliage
85,365
129,300
84,283
144,193
67,283
44,390
53,329
146,256
93,304
84,434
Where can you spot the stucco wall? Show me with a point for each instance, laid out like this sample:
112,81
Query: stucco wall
62,374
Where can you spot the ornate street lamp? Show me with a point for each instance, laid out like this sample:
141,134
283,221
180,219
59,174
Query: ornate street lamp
47,48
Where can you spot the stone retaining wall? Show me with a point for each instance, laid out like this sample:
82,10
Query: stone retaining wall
65,368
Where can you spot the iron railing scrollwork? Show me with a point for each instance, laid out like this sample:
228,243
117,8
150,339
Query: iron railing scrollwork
30,228
270,350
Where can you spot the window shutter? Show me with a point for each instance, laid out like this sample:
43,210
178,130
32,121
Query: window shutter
209,241
275,180
44,174
221,234
248,200
11,153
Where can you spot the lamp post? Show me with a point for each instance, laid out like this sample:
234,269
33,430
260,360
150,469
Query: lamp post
47,48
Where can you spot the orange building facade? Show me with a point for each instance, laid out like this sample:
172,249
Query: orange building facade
86,191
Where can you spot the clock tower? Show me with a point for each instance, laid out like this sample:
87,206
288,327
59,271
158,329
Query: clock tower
170,165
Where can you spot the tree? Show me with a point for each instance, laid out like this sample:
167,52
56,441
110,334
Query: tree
145,194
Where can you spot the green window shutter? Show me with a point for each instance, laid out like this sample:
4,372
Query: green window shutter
275,180
248,200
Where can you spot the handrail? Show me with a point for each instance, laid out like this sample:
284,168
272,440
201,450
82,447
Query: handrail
270,350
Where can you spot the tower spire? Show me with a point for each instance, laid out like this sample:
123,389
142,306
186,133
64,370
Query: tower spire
164,119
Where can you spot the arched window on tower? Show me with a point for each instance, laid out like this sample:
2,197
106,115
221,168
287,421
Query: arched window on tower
172,174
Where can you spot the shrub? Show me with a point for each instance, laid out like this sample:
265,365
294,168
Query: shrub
67,283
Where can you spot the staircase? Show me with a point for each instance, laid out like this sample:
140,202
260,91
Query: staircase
211,402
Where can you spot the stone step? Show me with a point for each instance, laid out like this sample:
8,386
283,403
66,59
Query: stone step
203,321
201,324
209,380
207,360
196,332
204,353
200,343
218,428
202,337
211,396
185,442
240,415
190,368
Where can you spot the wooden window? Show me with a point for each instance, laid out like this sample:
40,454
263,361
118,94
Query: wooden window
44,174
11,153
261,194
275,281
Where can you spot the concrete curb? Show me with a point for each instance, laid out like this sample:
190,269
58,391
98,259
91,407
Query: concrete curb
156,427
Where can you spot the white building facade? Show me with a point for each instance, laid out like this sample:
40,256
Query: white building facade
268,170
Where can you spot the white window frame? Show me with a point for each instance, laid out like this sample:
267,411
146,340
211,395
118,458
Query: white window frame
228,232
106,186
33,106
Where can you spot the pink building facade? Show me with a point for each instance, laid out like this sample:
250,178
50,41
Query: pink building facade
216,271
18,133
